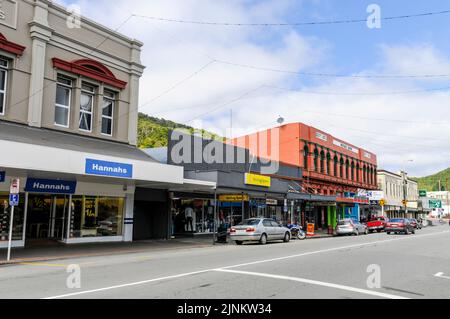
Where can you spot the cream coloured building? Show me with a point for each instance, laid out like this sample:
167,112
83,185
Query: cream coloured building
68,127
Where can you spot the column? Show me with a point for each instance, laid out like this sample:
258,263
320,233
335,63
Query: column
129,217
40,34
136,72
329,221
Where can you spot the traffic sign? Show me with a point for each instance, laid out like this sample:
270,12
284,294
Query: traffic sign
13,199
15,185
422,193
382,202
435,203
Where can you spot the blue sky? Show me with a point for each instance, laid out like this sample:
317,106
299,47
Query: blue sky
399,128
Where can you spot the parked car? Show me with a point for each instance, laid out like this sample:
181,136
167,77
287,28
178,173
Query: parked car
416,224
400,225
259,229
378,223
351,227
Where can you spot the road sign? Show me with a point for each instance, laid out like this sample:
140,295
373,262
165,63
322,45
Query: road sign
422,193
382,202
13,199
15,185
435,203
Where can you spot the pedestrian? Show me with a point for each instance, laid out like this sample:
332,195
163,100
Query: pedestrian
188,212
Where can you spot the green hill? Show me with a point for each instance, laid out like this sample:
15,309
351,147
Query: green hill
153,132
431,183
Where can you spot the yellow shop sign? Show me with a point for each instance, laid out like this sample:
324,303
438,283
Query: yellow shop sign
233,198
257,180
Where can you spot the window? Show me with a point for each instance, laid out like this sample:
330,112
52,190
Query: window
335,166
316,156
322,162
86,106
3,82
109,100
96,216
62,103
305,157
328,163
353,171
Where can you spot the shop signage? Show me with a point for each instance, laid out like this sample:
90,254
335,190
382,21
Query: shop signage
2,177
50,186
347,147
233,198
257,180
104,168
423,193
272,202
375,195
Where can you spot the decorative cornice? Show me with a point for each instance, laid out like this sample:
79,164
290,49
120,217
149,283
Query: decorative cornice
11,47
90,69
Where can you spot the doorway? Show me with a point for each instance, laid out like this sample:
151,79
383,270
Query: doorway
47,217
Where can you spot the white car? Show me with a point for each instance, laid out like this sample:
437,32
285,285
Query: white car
351,227
261,230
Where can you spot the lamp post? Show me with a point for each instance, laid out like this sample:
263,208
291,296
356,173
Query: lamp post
405,187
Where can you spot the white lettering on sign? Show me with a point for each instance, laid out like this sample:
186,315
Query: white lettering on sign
109,169
321,136
61,187
367,155
347,147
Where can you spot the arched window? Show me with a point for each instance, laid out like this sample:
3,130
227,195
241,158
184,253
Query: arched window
353,171
364,174
357,172
335,165
371,176
347,169
305,157
316,159
328,163
322,162
341,168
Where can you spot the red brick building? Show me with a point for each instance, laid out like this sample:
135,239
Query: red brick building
330,165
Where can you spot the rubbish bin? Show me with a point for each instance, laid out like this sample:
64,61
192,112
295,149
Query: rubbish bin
222,233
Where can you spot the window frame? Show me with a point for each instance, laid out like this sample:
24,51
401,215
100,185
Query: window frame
113,100
92,93
4,91
67,107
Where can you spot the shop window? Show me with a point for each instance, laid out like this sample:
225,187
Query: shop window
3,84
63,101
109,101
5,215
86,106
96,216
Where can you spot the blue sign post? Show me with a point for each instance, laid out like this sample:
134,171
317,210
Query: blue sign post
112,169
13,200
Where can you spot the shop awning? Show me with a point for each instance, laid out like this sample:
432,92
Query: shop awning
44,150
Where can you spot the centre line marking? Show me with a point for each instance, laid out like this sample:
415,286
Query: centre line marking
441,275
241,265
315,282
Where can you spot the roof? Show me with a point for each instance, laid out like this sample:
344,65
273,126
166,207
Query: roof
46,137
158,153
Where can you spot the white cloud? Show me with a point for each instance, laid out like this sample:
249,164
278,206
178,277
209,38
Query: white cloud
410,126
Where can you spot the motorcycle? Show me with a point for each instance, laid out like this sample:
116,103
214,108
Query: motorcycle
297,231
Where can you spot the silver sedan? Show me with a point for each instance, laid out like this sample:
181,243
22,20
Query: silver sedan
351,227
259,229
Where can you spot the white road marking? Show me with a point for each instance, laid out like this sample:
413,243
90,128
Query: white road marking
241,265
315,282
441,275
128,285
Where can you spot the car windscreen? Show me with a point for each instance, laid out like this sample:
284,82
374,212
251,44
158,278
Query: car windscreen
397,220
250,222
344,222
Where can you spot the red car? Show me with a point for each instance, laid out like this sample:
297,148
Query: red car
399,225
377,224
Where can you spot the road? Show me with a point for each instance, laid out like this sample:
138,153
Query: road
414,266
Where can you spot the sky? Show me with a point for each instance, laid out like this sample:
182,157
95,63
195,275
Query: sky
404,120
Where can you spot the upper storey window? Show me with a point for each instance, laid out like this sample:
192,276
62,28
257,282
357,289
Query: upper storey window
86,107
109,101
63,101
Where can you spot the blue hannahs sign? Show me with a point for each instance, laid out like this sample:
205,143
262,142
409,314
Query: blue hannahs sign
104,168
50,186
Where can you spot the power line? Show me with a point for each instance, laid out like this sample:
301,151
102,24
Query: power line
357,76
284,24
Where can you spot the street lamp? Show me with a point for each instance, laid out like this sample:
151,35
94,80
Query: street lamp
405,187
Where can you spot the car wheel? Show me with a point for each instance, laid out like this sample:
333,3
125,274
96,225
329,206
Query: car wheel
356,233
263,239
413,231
406,231
388,233
366,232
239,242
301,235
287,238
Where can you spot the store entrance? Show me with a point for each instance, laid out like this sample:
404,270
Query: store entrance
47,217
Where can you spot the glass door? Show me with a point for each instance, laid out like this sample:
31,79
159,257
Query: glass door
58,220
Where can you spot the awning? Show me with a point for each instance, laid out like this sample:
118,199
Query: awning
44,150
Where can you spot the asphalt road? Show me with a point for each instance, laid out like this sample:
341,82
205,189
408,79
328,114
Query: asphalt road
414,266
